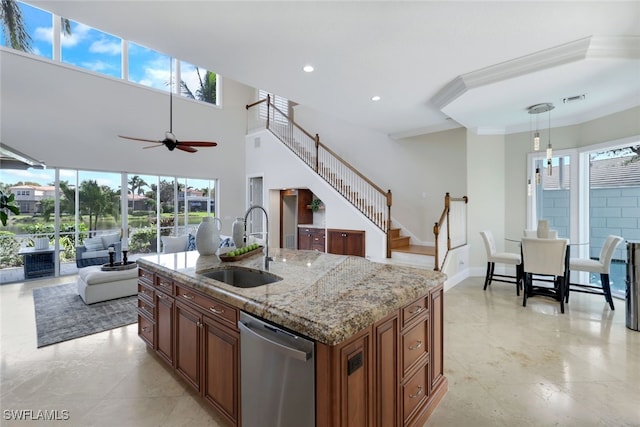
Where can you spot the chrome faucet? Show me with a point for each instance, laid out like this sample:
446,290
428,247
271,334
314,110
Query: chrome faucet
267,258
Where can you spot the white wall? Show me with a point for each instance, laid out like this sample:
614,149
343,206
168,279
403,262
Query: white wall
419,171
486,191
71,118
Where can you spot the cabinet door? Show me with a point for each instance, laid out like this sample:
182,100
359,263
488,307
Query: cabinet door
386,375
188,343
437,355
356,396
164,326
304,239
346,242
221,368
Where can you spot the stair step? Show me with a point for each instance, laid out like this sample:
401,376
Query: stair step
400,242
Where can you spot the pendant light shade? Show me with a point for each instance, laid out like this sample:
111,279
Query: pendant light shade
538,109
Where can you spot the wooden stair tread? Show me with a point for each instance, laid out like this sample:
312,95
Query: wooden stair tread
416,249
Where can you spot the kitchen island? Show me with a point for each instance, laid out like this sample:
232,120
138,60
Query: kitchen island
377,329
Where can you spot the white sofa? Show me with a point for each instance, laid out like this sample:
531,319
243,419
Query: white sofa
95,250
95,285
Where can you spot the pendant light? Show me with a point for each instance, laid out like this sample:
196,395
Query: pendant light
537,109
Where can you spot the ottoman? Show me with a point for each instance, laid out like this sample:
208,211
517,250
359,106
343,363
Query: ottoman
95,285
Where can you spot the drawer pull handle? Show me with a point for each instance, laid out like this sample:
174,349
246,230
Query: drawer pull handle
216,311
160,296
145,329
187,296
416,394
418,309
416,346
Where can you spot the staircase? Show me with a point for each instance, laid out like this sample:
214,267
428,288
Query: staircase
373,202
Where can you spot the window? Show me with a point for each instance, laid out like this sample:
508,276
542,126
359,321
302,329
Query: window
93,50
198,83
148,67
39,27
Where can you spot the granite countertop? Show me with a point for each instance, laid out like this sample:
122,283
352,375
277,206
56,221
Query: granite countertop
323,296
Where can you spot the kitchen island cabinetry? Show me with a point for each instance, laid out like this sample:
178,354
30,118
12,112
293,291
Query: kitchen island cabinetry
377,329
206,341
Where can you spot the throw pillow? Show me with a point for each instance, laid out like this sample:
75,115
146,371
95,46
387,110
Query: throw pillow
191,245
94,244
172,244
226,242
110,239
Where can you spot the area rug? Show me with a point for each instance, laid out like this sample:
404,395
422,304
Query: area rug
61,315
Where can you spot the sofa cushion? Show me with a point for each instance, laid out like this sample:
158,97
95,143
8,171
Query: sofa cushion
110,239
94,254
172,244
94,244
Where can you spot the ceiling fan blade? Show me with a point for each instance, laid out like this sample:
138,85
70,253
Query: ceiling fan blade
199,143
139,139
152,146
186,148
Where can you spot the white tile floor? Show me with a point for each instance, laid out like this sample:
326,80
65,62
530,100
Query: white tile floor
507,366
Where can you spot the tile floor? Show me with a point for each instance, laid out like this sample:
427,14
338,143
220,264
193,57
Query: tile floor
507,366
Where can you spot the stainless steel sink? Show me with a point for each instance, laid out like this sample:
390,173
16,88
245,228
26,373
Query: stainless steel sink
241,277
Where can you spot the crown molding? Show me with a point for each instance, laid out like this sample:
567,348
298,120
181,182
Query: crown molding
625,47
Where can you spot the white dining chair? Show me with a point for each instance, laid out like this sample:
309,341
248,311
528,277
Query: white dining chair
546,257
600,266
494,257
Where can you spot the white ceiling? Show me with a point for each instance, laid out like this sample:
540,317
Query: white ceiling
435,64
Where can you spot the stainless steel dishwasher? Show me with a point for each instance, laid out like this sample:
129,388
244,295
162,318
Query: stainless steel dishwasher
277,371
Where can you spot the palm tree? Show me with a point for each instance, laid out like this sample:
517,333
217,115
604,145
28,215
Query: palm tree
207,90
15,32
136,183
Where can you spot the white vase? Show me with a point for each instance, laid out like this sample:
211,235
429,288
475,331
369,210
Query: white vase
237,232
208,236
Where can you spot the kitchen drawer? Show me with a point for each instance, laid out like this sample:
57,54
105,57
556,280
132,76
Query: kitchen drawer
146,329
146,292
164,284
415,391
414,345
146,307
413,310
209,305
145,276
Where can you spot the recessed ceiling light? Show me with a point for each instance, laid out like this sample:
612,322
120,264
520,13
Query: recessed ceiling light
308,68
375,98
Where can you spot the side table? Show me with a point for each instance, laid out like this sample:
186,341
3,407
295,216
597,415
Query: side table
38,262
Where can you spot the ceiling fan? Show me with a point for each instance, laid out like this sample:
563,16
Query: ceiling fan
170,141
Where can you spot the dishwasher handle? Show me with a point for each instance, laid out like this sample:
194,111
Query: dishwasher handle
289,351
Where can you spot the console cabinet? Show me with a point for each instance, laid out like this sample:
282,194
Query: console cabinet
345,242
310,238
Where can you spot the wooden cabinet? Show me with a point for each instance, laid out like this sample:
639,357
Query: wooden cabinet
188,343
310,238
385,341
164,308
197,335
221,371
389,374
345,242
